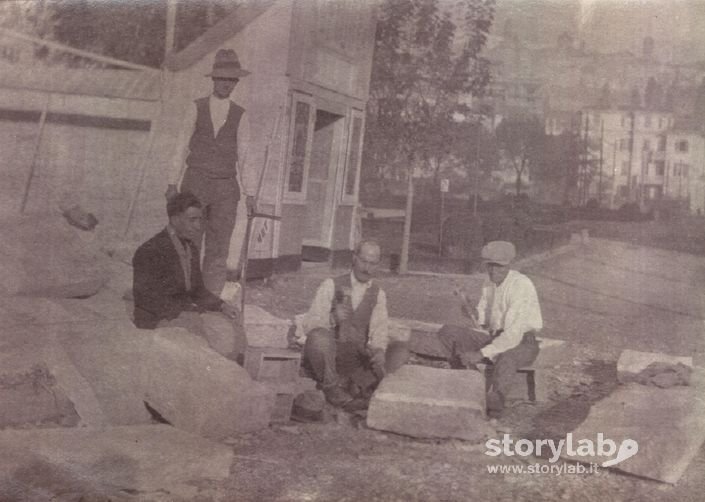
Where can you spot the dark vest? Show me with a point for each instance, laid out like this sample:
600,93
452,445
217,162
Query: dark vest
214,156
360,319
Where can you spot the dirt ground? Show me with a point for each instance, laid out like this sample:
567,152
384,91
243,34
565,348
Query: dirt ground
602,297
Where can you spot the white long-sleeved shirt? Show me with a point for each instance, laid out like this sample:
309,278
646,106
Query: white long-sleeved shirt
513,307
219,109
318,315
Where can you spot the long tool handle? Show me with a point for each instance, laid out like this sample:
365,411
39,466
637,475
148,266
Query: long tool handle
35,155
251,216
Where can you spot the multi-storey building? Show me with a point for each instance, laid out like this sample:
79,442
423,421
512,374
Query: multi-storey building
639,156
684,176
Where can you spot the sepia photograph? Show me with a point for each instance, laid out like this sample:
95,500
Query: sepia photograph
352,250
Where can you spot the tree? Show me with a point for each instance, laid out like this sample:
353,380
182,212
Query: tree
426,66
33,18
520,141
130,31
559,164
424,71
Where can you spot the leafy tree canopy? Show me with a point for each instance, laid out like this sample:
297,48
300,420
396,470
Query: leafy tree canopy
133,31
426,67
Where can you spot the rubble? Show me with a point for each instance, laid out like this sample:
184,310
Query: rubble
175,372
46,258
632,362
667,425
108,463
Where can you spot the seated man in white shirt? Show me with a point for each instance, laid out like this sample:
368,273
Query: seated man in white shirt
504,331
346,329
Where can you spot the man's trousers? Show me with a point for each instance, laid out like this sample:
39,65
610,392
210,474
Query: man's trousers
458,340
339,361
220,201
225,336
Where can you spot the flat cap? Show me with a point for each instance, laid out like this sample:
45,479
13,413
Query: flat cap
500,252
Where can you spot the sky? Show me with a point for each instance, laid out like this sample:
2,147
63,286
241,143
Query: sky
677,26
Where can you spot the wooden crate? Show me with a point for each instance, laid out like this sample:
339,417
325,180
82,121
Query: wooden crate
283,403
267,364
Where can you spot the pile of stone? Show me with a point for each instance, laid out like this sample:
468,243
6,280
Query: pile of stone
82,391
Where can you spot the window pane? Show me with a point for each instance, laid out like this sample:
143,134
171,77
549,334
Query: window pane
298,149
353,156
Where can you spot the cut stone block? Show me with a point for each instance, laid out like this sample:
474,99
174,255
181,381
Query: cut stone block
46,257
265,330
175,372
428,402
23,311
108,463
667,425
632,362
197,390
39,387
112,357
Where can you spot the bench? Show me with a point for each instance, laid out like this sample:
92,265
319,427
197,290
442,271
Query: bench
528,372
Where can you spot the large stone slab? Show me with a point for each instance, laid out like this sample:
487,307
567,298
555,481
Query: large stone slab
632,362
24,311
175,372
265,330
46,257
38,384
112,357
200,391
110,463
428,402
667,424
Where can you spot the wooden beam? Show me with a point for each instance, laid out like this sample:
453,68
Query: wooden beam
35,154
77,52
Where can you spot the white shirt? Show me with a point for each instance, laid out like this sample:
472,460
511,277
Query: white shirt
318,315
513,307
219,109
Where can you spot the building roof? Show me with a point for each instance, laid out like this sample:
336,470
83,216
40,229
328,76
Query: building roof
236,21
109,83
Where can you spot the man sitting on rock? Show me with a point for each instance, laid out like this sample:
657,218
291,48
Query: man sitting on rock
168,287
347,335
504,331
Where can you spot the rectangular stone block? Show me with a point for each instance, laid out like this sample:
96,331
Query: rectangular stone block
428,402
39,385
667,425
199,391
108,463
265,330
272,364
111,357
632,362
175,372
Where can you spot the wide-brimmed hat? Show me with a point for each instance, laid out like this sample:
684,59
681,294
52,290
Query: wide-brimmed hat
308,407
500,252
227,65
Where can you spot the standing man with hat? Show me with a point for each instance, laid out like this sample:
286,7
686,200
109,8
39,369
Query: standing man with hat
217,129
505,328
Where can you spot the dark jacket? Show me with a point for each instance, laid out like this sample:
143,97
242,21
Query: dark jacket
159,288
